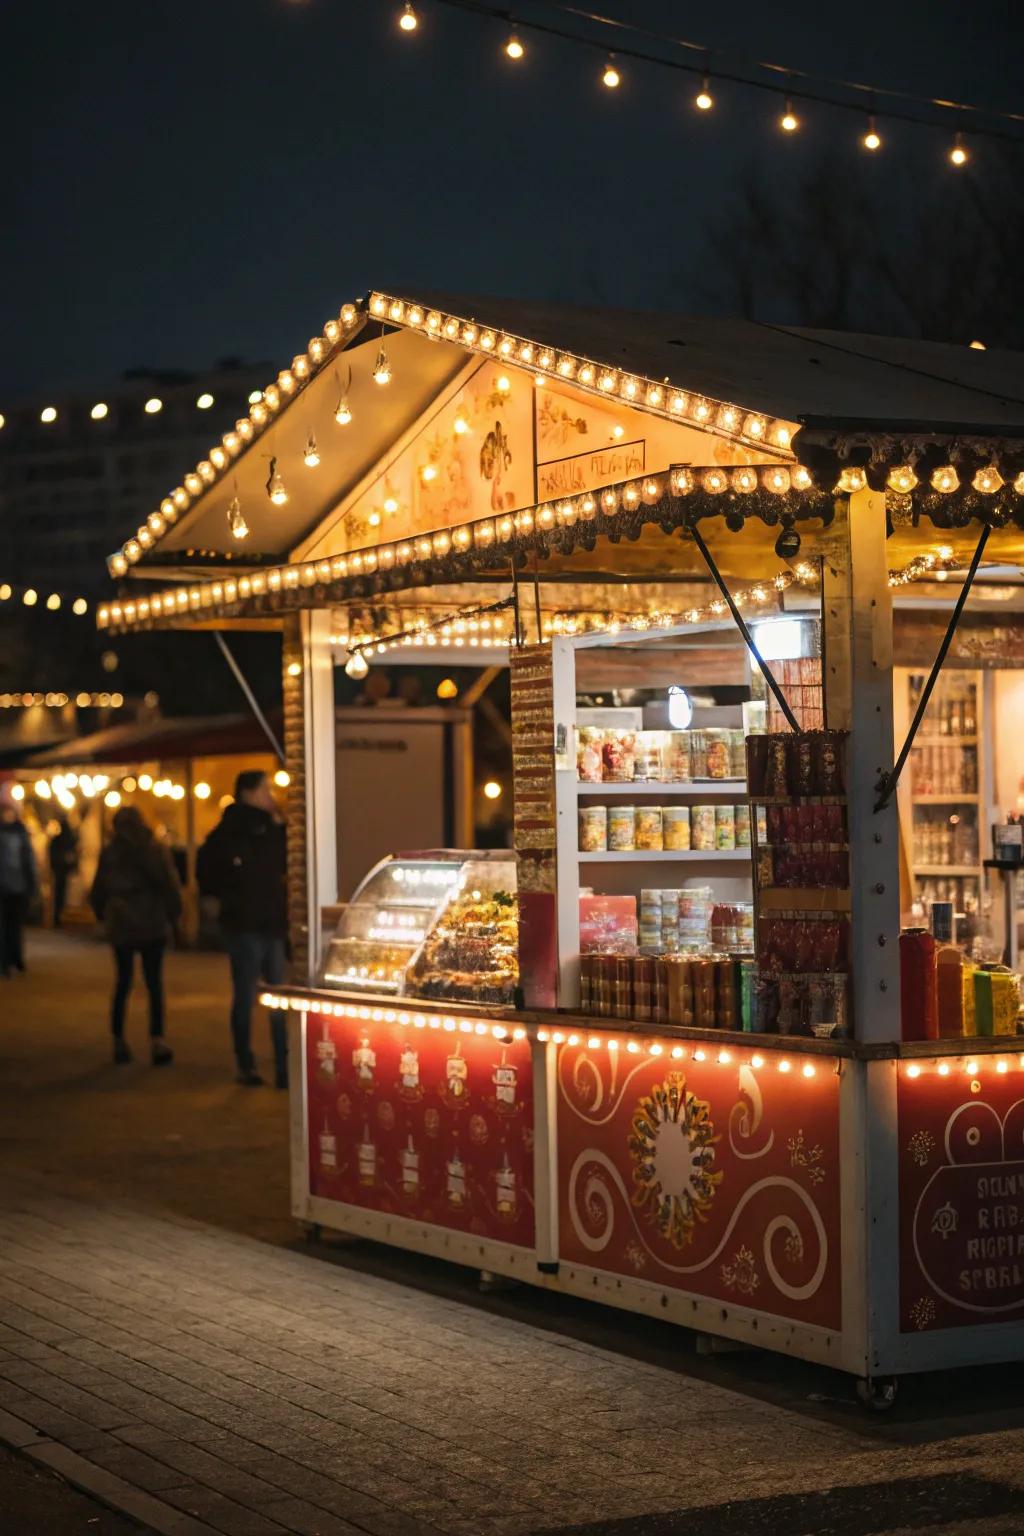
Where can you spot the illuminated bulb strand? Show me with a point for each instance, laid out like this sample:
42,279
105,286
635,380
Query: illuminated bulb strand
453,629
656,395
491,534
53,602
971,1065
820,90
262,411
60,700
635,1046
494,535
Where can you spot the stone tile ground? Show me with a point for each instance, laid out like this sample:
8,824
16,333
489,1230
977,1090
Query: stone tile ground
206,1378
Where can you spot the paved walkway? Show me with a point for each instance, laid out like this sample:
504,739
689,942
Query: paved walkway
158,1350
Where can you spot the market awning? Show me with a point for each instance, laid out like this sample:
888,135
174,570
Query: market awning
205,736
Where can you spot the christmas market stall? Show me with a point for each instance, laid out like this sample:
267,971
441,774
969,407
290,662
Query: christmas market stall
730,1035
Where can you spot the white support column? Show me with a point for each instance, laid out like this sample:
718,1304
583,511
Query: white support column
319,756
859,688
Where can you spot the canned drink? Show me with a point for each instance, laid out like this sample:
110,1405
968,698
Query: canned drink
942,922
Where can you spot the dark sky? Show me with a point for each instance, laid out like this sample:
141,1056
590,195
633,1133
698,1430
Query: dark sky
206,179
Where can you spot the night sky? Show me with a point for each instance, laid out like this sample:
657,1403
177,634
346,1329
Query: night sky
203,180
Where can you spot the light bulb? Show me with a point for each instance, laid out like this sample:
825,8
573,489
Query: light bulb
704,99
382,368
408,21
153,405
611,77
79,606
99,410
201,790
871,139
428,473
48,414
311,454
53,602
789,122
204,401
852,479
987,480
902,478
945,479
460,426
282,778
958,154
503,384
357,665
236,522
391,504
277,491
343,414
30,598
514,47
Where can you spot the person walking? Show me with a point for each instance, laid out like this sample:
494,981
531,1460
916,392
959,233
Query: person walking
19,882
137,897
242,864
63,853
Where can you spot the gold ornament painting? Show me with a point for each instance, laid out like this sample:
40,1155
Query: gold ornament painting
673,1148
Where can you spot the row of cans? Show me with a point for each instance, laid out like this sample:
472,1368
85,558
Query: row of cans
632,828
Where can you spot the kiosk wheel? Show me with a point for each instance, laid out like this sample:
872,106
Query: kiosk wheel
877,1393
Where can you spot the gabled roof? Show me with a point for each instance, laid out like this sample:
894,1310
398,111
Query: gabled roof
755,385
813,377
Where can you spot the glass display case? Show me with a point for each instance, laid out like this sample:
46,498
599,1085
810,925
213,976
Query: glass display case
440,924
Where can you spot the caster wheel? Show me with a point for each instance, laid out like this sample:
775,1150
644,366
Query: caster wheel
877,1393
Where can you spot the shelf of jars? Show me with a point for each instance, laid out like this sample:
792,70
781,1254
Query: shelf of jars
666,856
689,789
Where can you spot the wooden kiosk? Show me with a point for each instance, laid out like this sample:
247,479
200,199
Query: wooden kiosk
578,491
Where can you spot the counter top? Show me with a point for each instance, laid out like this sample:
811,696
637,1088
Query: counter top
559,1027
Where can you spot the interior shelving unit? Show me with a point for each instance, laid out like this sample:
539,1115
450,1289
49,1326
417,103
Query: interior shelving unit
728,871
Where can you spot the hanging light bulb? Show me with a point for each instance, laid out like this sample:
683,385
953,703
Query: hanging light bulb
872,139
704,100
611,78
382,368
958,154
852,479
987,480
276,488
311,454
901,478
408,21
236,522
460,426
357,665
789,122
945,479
343,413
514,48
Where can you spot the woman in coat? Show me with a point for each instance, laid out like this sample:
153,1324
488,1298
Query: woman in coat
137,897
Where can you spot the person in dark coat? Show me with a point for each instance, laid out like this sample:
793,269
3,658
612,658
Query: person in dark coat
242,864
63,852
19,883
137,897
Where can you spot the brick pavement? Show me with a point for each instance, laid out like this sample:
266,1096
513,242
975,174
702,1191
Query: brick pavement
205,1379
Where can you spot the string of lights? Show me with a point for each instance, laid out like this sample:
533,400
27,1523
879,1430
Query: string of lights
53,602
474,627
60,700
790,84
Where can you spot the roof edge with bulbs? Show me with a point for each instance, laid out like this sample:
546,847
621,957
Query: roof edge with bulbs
748,428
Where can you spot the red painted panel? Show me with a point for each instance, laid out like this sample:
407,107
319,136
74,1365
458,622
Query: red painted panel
429,1123
961,1183
721,1180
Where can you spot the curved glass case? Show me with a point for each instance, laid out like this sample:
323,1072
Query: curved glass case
440,924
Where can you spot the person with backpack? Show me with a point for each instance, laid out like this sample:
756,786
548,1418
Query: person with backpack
137,897
243,864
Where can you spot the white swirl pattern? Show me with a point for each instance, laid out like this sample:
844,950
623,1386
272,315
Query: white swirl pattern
595,1191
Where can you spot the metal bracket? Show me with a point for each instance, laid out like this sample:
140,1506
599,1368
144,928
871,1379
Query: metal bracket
748,638
887,783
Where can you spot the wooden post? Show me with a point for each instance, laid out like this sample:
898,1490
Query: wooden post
309,746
